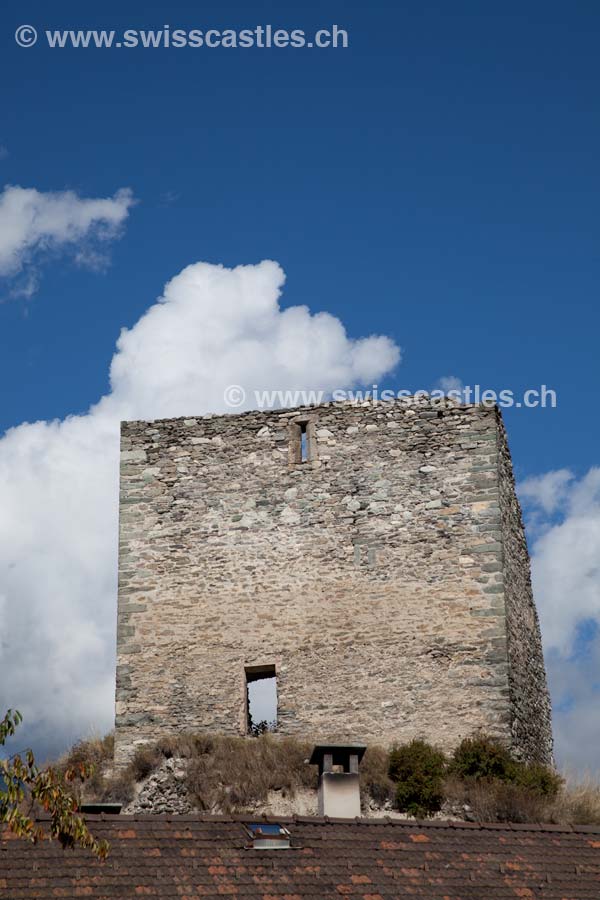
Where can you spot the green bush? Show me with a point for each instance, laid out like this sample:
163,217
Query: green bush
538,779
418,770
482,757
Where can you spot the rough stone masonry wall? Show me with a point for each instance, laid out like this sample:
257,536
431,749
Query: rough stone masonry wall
371,577
531,724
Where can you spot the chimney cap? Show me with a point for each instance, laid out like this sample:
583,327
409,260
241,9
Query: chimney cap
341,753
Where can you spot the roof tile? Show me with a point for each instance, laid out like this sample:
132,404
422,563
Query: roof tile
210,857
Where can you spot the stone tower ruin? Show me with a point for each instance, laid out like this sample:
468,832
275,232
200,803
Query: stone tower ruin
371,558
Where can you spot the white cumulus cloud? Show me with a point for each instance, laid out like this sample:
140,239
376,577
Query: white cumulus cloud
566,580
34,223
59,480
449,383
548,491
453,387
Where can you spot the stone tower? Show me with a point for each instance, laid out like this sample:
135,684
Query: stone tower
370,557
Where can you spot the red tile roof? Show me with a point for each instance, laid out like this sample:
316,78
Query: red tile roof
210,857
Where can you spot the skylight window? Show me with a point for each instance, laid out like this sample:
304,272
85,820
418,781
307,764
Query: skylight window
268,836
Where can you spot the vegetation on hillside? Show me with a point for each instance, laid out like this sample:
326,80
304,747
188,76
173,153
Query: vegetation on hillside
481,780
481,774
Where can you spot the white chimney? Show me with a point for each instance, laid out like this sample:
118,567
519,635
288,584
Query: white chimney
339,789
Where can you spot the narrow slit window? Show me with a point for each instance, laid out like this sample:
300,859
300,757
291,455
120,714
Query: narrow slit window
261,697
303,441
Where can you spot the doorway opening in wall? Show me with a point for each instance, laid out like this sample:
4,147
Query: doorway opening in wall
261,699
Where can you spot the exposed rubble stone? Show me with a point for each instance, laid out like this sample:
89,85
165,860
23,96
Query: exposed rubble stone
164,791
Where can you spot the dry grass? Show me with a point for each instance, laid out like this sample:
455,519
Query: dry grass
375,782
95,754
226,774
145,761
233,774
115,788
578,803
102,785
498,801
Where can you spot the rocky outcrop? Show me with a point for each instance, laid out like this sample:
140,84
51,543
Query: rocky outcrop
164,791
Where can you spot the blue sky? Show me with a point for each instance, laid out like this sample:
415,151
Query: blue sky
436,182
